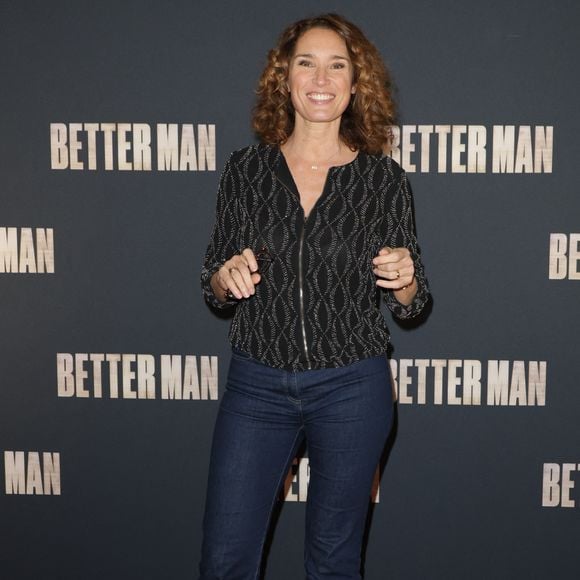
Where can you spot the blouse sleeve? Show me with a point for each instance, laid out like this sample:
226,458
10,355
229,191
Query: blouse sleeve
222,243
402,234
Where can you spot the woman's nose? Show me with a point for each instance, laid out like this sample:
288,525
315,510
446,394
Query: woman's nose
321,75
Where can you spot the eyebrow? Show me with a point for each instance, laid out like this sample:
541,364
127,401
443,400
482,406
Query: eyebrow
309,55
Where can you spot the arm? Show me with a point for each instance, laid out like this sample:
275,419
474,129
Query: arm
398,265
223,242
228,275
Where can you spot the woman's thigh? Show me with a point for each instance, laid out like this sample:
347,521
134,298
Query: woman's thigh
348,418
256,435
346,430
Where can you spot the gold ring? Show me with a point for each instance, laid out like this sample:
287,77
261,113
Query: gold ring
398,274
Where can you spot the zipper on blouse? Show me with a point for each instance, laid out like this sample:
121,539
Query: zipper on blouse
301,295
300,283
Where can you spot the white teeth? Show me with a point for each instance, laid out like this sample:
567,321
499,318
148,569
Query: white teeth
320,96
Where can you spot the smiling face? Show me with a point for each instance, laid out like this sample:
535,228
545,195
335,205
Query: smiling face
320,77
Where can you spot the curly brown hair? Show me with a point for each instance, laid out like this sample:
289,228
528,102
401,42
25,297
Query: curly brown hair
365,124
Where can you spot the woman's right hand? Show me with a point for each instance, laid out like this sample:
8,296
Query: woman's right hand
238,276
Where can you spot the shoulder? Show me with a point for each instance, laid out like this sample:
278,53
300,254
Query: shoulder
381,168
388,165
252,153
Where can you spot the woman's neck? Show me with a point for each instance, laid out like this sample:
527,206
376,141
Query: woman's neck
314,140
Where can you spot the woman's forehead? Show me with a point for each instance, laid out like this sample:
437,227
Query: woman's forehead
321,40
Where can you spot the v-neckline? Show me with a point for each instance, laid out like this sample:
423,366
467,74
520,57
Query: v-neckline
291,182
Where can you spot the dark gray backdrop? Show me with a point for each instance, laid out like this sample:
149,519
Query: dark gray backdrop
461,494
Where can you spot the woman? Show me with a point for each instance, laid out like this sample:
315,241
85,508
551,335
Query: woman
310,224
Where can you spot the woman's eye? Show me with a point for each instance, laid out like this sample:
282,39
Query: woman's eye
338,65
304,63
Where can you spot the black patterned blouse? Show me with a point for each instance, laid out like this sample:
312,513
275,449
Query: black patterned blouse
317,305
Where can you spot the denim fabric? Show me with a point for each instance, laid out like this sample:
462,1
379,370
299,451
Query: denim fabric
344,414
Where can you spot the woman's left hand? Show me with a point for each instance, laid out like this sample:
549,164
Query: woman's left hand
394,268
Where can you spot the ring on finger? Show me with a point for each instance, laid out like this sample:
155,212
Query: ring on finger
398,275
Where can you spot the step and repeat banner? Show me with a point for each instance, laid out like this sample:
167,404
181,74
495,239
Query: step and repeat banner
116,119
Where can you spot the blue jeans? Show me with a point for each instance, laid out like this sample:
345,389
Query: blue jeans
344,414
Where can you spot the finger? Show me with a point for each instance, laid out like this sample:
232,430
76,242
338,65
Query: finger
236,277
243,279
394,284
236,284
400,265
243,268
391,272
384,256
227,283
396,280
391,269
394,255
233,275
250,259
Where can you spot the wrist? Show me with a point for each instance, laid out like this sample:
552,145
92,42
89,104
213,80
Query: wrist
219,291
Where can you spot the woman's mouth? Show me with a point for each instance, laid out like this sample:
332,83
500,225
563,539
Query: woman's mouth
320,97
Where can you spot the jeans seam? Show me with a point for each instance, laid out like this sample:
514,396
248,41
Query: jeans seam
278,486
293,400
